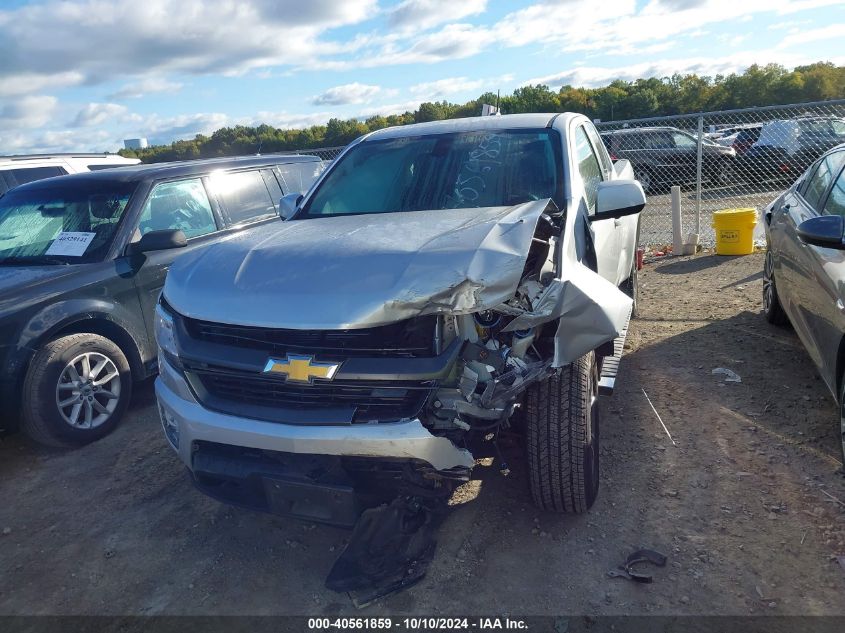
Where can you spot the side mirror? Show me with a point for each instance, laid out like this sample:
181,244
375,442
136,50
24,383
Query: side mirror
159,241
289,205
825,230
618,198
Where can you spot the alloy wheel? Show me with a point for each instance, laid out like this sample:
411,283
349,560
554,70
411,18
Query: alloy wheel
88,390
768,282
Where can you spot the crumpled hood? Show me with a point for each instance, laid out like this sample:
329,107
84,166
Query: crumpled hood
358,271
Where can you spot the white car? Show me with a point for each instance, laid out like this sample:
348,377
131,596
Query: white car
19,170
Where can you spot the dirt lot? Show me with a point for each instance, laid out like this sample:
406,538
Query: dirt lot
738,505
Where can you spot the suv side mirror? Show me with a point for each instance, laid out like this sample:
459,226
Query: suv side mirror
289,205
159,241
618,198
824,230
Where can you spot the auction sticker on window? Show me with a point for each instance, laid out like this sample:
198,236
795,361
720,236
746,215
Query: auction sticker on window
72,243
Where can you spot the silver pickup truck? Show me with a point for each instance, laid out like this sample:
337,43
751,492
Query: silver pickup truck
438,283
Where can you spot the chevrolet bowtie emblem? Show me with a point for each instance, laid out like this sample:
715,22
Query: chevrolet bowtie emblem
301,368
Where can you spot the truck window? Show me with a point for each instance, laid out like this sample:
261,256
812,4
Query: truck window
588,166
442,171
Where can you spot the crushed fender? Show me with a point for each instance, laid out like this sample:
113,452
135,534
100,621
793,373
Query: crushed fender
591,310
390,549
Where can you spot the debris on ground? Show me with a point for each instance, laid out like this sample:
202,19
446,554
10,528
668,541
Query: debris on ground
626,569
390,549
729,374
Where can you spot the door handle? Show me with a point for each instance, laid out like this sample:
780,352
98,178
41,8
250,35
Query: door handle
617,222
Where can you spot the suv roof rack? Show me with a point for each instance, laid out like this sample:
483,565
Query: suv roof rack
58,155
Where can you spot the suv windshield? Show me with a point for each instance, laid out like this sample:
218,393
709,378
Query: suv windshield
442,171
65,222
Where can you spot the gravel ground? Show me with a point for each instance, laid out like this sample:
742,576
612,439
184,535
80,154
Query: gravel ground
741,503
656,220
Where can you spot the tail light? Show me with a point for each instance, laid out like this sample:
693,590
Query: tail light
613,156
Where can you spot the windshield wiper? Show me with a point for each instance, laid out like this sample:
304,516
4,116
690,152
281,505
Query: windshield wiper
33,261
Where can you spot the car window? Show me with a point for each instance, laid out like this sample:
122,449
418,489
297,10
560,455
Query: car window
683,141
99,166
818,183
70,220
298,177
24,175
835,204
243,194
181,204
455,170
600,150
588,166
658,140
273,186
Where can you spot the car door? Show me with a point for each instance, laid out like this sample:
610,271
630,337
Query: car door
803,272
174,204
626,228
588,166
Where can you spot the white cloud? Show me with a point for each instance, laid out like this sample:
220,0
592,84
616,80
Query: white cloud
27,112
832,31
419,15
19,84
99,113
347,94
144,87
444,87
595,76
105,40
160,129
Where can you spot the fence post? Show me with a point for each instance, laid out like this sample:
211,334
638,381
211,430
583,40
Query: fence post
698,175
677,223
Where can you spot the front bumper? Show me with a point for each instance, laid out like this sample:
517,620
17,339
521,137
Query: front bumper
406,439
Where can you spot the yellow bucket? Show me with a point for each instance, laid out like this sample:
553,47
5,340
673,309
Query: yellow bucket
735,231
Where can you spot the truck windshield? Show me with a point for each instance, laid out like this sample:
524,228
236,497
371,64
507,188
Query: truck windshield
442,171
64,222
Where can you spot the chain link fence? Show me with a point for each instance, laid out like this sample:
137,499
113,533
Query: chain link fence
721,160
326,154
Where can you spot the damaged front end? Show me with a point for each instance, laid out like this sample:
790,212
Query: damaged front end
556,314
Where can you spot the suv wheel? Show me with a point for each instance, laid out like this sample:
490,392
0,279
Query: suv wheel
75,391
771,303
562,438
644,176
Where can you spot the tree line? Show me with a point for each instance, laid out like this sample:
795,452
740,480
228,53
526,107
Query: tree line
771,84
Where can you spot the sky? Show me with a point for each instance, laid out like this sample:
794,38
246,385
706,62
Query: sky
82,75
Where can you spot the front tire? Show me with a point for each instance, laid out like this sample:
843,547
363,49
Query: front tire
772,307
631,286
842,423
76,390
562,438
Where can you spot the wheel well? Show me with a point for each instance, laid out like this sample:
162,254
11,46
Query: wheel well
840,367
111,331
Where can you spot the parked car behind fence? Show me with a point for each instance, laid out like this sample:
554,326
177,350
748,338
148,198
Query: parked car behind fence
803,132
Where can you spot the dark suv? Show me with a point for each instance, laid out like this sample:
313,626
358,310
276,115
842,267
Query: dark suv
82,261
665,156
